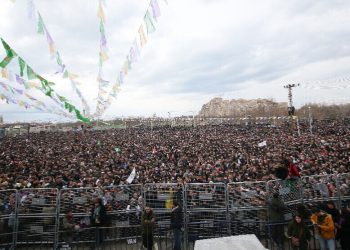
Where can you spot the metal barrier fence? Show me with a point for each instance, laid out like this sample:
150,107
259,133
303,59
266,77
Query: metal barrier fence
32,218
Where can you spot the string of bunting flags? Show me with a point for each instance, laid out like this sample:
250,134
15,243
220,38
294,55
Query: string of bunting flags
103,56
147,26
33,103
34,14
46,86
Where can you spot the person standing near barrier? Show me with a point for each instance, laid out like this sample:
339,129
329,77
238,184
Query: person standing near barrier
276,209
98,220
324,229
176,224
69,227
344,226
147,222
298,233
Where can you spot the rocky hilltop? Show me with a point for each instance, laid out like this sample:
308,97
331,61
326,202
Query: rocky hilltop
218,107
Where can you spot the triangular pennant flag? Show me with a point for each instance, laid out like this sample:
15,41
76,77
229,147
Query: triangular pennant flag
22,65
101,13
5,61
4,73
40,29
143,39
9,51
149,24
30,73
155,9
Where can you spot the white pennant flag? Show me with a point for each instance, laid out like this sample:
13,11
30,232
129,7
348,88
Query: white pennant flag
131,176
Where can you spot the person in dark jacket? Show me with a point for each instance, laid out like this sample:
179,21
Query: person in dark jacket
299,233
344,228
98,220
334,212
147,222
276,209
176,224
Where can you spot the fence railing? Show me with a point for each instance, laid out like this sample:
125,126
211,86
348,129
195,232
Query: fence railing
33,217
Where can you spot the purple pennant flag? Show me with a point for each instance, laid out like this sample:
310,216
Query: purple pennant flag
18,91
48,36
133,57
155,9
136,48
31,9
103,40
19,79
121,77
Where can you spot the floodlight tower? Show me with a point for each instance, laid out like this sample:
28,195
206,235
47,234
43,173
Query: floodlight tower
291,108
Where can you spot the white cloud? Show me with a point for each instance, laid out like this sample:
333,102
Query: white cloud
201,49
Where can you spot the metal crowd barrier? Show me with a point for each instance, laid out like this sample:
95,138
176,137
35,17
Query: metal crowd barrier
32,218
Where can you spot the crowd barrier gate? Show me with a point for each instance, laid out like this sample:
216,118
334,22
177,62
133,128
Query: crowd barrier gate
33,217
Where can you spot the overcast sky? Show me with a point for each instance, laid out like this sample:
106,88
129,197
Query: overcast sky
201,49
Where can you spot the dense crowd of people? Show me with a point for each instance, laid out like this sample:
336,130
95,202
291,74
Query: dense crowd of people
103,160
223,153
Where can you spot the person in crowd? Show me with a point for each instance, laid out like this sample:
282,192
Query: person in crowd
148,223
69,227
98,220
344,227
331,209
276,209
176,224
298,233
324,228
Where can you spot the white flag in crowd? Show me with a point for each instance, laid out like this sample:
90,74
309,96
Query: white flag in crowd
131,176
262,144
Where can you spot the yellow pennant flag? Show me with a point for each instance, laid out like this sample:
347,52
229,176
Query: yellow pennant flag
4,73
143,39
101,13
72,76
126,68
103,56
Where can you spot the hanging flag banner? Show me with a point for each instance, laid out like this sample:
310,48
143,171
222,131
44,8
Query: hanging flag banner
42,29
45,84
134,52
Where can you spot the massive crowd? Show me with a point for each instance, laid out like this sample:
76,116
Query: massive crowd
223,153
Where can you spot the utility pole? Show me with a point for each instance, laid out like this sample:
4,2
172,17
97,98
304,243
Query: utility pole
291,108
310,120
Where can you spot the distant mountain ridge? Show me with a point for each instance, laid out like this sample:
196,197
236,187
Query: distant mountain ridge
218,107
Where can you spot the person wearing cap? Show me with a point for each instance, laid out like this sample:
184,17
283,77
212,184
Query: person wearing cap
324,228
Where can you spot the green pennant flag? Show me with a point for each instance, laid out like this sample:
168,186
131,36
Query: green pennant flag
5,62
62,98
65,74
22,65
80,117
49,92
40,25
118,150
149,24
58,58
30,73
9,51
69,106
